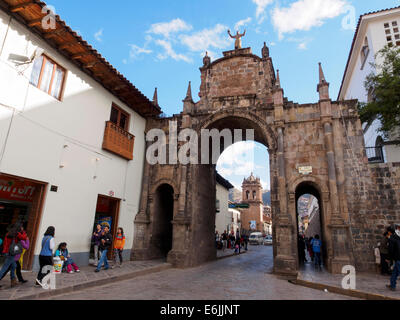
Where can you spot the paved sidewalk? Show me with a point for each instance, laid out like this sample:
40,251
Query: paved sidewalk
368,283
85,279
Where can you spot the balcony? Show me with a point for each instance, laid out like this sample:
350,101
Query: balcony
375,154
118,141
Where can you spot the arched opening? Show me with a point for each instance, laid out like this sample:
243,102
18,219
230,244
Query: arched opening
163,216
245,211
311,242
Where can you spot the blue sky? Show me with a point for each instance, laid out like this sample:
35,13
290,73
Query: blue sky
161,43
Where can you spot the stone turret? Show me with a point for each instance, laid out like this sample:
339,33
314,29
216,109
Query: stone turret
323,86
155,97
188,103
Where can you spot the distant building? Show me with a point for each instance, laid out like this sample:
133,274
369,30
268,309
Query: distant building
223,217
253,217
374,31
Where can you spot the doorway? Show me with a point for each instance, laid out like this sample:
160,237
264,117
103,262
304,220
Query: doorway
21,200
163,216
309,224
107,214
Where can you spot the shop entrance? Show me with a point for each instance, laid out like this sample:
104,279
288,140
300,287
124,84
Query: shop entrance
107,214
21,200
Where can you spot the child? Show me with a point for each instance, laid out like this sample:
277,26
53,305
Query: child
62,252
119,244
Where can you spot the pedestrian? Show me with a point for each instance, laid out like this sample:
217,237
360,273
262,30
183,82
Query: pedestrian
316,247
96,243
216,239
105,244
394,254
46,254
246,241
24,240
224,238
237,233
64,255
11,248
384,254
119,244
232,239
301,246
309,248
237,245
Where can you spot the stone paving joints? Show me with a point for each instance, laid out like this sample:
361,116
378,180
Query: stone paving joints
132,269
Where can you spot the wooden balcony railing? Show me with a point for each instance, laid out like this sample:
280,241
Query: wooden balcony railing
118,141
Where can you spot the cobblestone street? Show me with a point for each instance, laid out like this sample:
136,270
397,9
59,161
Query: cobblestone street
244,277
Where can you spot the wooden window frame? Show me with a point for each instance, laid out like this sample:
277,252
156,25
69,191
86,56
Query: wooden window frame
45,59
121,111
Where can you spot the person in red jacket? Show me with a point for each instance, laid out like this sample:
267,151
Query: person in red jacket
12,235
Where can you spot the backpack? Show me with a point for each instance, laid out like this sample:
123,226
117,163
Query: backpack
15,248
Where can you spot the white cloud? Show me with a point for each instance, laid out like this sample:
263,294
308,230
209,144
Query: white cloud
98,35
302,46
305,14
167,28
242,23
136,51
260,11
206,39
170,52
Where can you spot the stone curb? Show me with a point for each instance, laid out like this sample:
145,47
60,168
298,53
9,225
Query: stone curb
94,283
345,292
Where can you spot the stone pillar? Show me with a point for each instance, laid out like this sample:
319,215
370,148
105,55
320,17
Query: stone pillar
178,256
285,262
140,249
339,248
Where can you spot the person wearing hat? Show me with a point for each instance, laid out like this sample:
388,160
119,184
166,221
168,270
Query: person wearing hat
394,254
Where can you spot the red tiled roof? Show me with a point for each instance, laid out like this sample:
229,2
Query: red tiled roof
355,38
69,44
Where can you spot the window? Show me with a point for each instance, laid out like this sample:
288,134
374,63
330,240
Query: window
119,117
48,76
364,53
394,23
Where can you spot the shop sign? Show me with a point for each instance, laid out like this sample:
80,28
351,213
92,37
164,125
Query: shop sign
17,190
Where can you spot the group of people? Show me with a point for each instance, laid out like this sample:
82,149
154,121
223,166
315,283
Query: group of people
313,246
389,251
16,242
231,241
102,241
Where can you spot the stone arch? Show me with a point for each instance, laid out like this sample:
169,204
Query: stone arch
315,181
162,181
268,136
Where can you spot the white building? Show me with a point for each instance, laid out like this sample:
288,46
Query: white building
223,217
374,31
72,140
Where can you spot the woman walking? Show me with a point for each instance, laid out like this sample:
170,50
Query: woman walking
119,243
46,254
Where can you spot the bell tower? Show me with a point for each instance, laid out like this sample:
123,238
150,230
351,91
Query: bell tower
252,217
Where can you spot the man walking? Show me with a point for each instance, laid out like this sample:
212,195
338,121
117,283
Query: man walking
105,244
394,254
316,246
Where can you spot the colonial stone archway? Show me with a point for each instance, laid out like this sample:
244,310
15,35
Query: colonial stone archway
307,143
